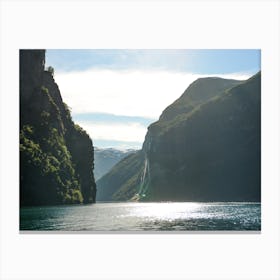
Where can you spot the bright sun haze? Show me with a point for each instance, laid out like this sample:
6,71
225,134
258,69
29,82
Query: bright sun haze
115,94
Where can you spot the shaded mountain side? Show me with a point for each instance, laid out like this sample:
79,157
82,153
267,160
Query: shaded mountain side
205,147
105,159
123,180
211,153
56,155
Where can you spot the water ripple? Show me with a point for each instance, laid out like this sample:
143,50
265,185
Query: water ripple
143,217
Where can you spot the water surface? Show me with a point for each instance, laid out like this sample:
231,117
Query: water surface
135,216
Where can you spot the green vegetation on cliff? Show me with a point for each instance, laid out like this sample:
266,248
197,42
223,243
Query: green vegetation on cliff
56,156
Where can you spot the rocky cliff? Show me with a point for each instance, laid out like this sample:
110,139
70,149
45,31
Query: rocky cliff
56,155
205,147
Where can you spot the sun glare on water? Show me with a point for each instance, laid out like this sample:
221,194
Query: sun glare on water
166,211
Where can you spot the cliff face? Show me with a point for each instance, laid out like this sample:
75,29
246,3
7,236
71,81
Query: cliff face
205,147
56,155
211,153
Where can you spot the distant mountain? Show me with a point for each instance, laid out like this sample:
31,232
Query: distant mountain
204,147
121,182
105,159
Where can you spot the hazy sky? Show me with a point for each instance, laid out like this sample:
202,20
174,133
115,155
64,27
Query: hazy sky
116,94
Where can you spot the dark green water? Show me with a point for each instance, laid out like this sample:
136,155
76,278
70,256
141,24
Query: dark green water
144,217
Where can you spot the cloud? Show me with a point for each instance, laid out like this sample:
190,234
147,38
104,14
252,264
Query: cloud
116,105
132,93
122,132
111,118
117,131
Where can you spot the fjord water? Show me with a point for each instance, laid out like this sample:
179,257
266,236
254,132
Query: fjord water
135,216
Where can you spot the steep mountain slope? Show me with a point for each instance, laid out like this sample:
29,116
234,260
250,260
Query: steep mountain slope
211,153
123,180
206,145
105,159
56,155
199,92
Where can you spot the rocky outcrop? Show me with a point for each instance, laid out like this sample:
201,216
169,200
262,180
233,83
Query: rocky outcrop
56,155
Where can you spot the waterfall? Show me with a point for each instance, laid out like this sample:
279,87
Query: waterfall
145,178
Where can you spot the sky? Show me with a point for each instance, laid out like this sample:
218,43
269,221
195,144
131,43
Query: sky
115,94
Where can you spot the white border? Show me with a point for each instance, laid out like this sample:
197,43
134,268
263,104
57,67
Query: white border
145,24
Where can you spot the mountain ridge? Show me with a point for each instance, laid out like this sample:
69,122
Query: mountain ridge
182,163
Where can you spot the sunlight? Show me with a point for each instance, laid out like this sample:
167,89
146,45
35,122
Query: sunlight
167,211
